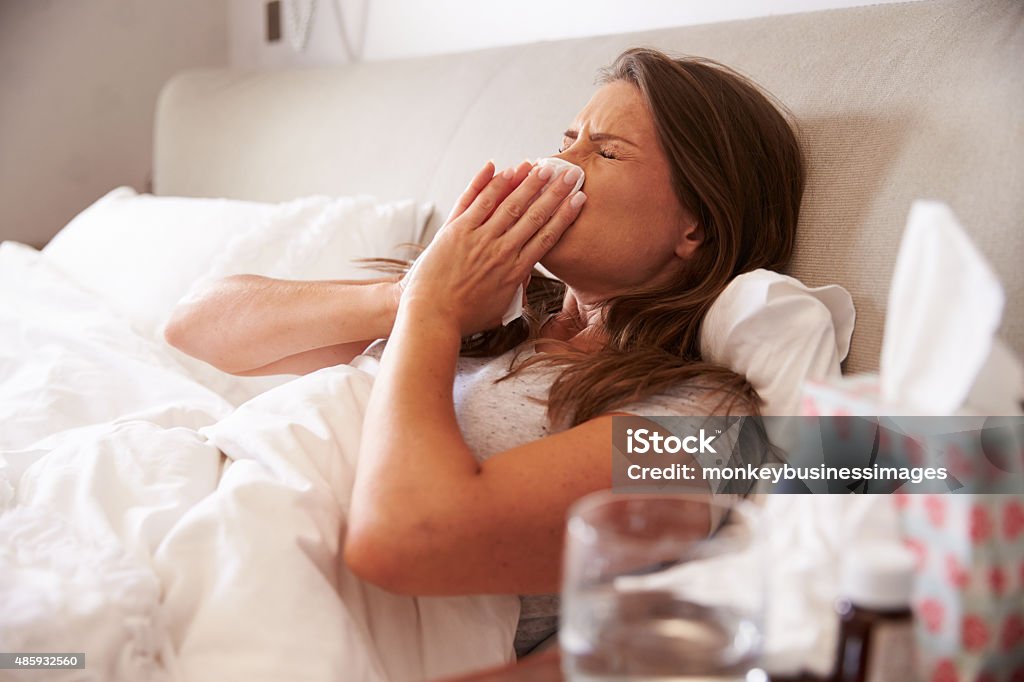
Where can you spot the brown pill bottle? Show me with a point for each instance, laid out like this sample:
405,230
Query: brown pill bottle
876,624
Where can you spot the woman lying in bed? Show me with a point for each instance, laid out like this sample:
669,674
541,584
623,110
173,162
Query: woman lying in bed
692,177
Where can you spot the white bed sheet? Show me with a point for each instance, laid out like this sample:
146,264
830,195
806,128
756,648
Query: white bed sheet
146,522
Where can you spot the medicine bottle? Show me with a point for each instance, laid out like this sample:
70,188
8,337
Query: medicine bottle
876,635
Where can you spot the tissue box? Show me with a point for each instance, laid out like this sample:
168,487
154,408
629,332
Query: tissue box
969,595
978,453
856,395
969,592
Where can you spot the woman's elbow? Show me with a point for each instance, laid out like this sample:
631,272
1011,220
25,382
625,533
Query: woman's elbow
371,562
380,560
197,323
186,331
177,330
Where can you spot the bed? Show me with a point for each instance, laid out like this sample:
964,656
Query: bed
178,523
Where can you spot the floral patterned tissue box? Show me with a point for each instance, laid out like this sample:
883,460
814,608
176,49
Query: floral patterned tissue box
969,596
969,591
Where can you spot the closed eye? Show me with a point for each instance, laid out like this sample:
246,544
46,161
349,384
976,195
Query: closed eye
570,136
604,152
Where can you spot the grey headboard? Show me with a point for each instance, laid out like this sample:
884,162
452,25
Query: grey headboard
896,102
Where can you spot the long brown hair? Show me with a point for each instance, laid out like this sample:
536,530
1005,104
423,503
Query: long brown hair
737,166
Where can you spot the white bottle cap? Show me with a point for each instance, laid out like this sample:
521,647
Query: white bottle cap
878,575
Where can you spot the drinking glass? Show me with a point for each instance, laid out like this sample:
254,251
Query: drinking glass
662,587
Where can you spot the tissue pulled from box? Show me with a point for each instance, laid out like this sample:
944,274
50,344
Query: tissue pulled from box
945,305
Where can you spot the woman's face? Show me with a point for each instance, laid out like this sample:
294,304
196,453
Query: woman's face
632,231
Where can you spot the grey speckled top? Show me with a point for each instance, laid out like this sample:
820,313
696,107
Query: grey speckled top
497,417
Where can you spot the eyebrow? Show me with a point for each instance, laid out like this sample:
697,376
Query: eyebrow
597,137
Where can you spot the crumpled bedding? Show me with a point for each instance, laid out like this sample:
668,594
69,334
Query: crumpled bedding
167,535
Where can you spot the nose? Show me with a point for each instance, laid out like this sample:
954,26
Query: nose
569,158
573,154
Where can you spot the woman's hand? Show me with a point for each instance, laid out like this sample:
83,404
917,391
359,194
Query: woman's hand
476,185
501,226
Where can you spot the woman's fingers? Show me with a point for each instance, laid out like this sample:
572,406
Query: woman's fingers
476,185
515,207
493,196
534,211
519,173
479,183
522,170
543,239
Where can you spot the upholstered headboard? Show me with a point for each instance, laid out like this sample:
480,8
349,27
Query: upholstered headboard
896,102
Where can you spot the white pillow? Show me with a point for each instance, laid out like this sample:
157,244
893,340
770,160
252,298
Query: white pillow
779,334
308,243
317,238
142,253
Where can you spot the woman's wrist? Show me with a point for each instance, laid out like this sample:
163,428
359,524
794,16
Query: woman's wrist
422,310
357,310
423,346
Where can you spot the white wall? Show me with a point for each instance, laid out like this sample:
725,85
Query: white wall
404,28
80,78
78,88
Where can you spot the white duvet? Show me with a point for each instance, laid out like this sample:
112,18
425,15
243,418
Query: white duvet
148,523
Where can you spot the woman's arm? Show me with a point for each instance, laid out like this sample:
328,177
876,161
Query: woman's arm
249,325
425,517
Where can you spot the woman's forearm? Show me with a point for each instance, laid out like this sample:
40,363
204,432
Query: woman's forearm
412,403
413,455
243,322
425,516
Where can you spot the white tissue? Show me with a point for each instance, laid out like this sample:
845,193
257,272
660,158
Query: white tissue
559,166
808,539
945,305
515,308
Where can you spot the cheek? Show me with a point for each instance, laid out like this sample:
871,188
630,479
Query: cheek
626,213
638,221
613,203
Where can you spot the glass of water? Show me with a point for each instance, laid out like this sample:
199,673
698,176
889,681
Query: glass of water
662,587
